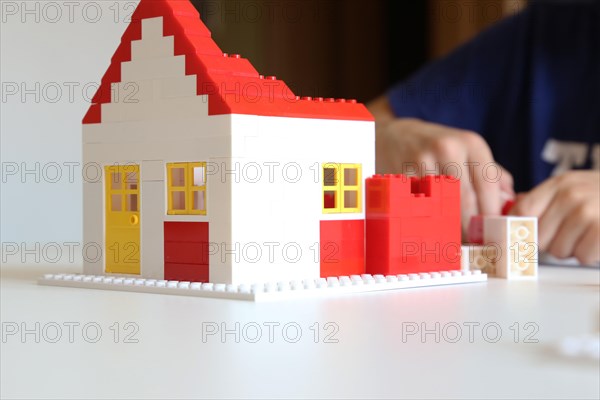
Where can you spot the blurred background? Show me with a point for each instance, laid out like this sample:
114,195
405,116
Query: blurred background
53,54
347,48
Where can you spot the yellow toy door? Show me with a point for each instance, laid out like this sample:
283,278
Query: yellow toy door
122,215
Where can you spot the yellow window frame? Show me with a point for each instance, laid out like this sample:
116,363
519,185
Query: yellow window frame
335,182
188,188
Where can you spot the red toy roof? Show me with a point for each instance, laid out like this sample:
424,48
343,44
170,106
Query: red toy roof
232,84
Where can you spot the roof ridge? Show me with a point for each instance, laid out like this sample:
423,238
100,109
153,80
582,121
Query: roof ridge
231,82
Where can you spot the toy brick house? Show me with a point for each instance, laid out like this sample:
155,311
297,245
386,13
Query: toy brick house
212,172
199,169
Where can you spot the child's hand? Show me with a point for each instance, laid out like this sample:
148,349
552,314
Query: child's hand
416,147
568,208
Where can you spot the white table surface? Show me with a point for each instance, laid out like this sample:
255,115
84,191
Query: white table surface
370,359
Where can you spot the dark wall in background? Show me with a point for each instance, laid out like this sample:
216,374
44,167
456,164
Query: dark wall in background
327,48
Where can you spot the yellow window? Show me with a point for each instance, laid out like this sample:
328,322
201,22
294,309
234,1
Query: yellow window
342,188
186,188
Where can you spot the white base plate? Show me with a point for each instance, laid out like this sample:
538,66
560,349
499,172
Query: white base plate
269,291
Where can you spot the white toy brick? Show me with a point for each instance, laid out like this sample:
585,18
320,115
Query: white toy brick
171,109
218,200
184,86
479,258
108,153
159,68
132,92
326,140
152,28
153,171
153,209
151,48
93,223
150,92
464,258
153,130
516,241
253,225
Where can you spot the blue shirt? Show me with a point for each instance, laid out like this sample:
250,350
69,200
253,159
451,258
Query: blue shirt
530,86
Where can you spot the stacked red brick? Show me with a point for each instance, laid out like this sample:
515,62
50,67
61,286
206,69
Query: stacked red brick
413,224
